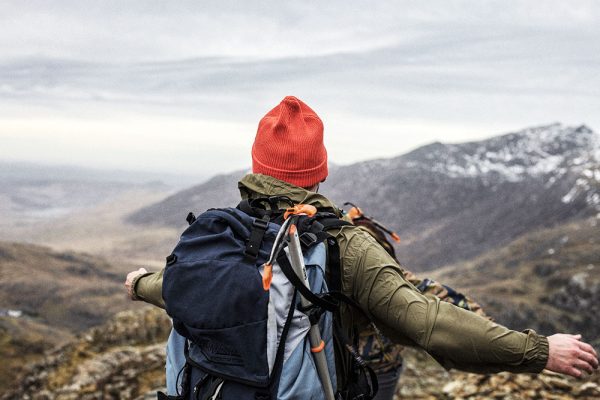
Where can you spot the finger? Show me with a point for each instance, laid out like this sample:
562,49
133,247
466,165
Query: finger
588,358
588,349
576,337
574,372
583,366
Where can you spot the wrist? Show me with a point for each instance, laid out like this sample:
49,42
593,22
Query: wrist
133,294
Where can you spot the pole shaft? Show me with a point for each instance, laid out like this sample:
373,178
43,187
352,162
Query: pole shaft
297,261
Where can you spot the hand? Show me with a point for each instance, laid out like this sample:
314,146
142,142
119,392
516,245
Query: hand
567,354
129,281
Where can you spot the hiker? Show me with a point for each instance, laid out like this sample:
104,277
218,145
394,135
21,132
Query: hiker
289,159
380,353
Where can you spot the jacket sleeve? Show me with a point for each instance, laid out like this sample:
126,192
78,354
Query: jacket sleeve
445,293
456,337
148,288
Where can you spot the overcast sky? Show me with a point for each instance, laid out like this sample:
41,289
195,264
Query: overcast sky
180,86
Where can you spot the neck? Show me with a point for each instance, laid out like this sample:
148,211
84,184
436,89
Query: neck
313,188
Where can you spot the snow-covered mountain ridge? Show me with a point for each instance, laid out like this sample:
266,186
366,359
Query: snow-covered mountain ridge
548,152
551,149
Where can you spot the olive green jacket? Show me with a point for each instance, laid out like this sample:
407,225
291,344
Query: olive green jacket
455,337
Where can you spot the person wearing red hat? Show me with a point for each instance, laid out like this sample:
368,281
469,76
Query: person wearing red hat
289,159
289,145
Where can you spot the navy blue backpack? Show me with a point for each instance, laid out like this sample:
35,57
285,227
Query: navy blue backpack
240,331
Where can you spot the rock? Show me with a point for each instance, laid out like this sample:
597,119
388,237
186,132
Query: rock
451,387
122,359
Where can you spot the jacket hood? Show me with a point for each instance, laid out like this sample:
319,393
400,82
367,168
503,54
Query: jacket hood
253,186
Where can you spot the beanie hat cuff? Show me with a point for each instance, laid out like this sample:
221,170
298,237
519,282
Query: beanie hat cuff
302,178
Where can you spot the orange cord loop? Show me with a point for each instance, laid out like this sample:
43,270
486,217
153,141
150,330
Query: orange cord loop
319,348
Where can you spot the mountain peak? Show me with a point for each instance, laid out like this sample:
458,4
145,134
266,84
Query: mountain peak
535,151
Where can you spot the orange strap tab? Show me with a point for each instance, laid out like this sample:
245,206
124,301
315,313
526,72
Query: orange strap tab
267,276
300,209
319,348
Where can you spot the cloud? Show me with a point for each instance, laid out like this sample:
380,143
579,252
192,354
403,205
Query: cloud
388,75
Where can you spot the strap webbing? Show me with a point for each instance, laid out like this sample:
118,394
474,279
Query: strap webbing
334,274
332,222
259,227
317,300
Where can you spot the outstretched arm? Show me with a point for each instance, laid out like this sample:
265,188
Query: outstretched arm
454,336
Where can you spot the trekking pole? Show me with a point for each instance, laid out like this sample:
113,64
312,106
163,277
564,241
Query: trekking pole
297,261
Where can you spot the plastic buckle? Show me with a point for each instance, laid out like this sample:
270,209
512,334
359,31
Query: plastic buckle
260,223
307,239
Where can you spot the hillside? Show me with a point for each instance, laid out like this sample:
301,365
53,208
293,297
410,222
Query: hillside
449,202
47,296
63,289
547,280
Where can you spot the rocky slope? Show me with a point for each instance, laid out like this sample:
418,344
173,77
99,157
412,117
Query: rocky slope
422,378
450,202
124,359
121,359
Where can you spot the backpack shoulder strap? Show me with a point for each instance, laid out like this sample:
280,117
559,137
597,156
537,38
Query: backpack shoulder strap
331,221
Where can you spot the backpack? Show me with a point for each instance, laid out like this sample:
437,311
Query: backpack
245,317
375,228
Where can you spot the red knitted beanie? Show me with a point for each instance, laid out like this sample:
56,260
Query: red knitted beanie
289,144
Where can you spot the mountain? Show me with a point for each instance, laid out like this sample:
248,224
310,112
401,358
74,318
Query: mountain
219,191
449,202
